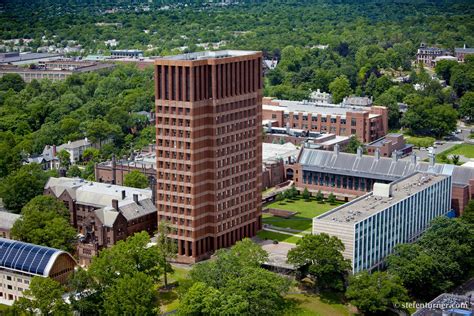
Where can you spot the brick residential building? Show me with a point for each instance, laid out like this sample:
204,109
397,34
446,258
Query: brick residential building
389,144
461,53
103,213
367,123
427,55
209,156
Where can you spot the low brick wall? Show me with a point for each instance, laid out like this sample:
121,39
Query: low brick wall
279,213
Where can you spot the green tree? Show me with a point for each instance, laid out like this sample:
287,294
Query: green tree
45,221
131,295
279,197
371,85
455,159
353,144
331,198
234,283
443,69
468,213
44,295
167,249
12,81
466,107
135,179
64,158
319,196
91,154
321,257
306,195
249,253
74,171
376,293
388,100
22,185
340,88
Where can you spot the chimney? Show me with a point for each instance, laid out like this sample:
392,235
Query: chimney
86,140
432,159
432,156
152,182
359,152
394,156
115,204
54,150
124,194
377,154
336,149
135,198
413,158
114,170
62,172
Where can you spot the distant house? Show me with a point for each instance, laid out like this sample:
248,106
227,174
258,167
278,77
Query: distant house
462,52
76,148
49,160
427,55
7,220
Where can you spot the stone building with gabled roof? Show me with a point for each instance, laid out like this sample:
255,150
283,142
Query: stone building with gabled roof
103,213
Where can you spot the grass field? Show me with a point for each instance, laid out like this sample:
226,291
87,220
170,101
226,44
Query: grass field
420,141
465,150
306,211
314,305
263,234
169,299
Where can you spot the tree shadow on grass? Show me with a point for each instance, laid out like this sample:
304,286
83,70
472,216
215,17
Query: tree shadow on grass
330,297
167,297
293,305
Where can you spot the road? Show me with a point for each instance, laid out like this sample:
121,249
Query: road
458,139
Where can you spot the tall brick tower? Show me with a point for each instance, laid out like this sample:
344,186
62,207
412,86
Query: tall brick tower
209,157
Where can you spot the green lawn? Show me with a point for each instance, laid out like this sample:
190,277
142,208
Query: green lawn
314,305
306,211
169,299
263,234
420,141
466,150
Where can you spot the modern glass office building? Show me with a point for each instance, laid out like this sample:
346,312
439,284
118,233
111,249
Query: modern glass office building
371,225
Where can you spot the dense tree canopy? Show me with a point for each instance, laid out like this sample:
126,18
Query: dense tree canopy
22,185
128,270
135,179
376,292
44,296
45,221
233,283
321,257
441,258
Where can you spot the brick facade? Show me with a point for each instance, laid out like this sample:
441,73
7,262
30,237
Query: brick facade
209,158
368,124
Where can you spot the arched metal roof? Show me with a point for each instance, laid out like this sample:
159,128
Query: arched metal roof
27,258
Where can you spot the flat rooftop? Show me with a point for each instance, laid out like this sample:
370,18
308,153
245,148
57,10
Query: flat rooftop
369,204
276,151
210,55
319,108
26,57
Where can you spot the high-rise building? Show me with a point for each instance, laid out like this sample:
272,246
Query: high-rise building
208,138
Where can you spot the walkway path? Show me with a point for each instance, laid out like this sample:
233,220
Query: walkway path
281,232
